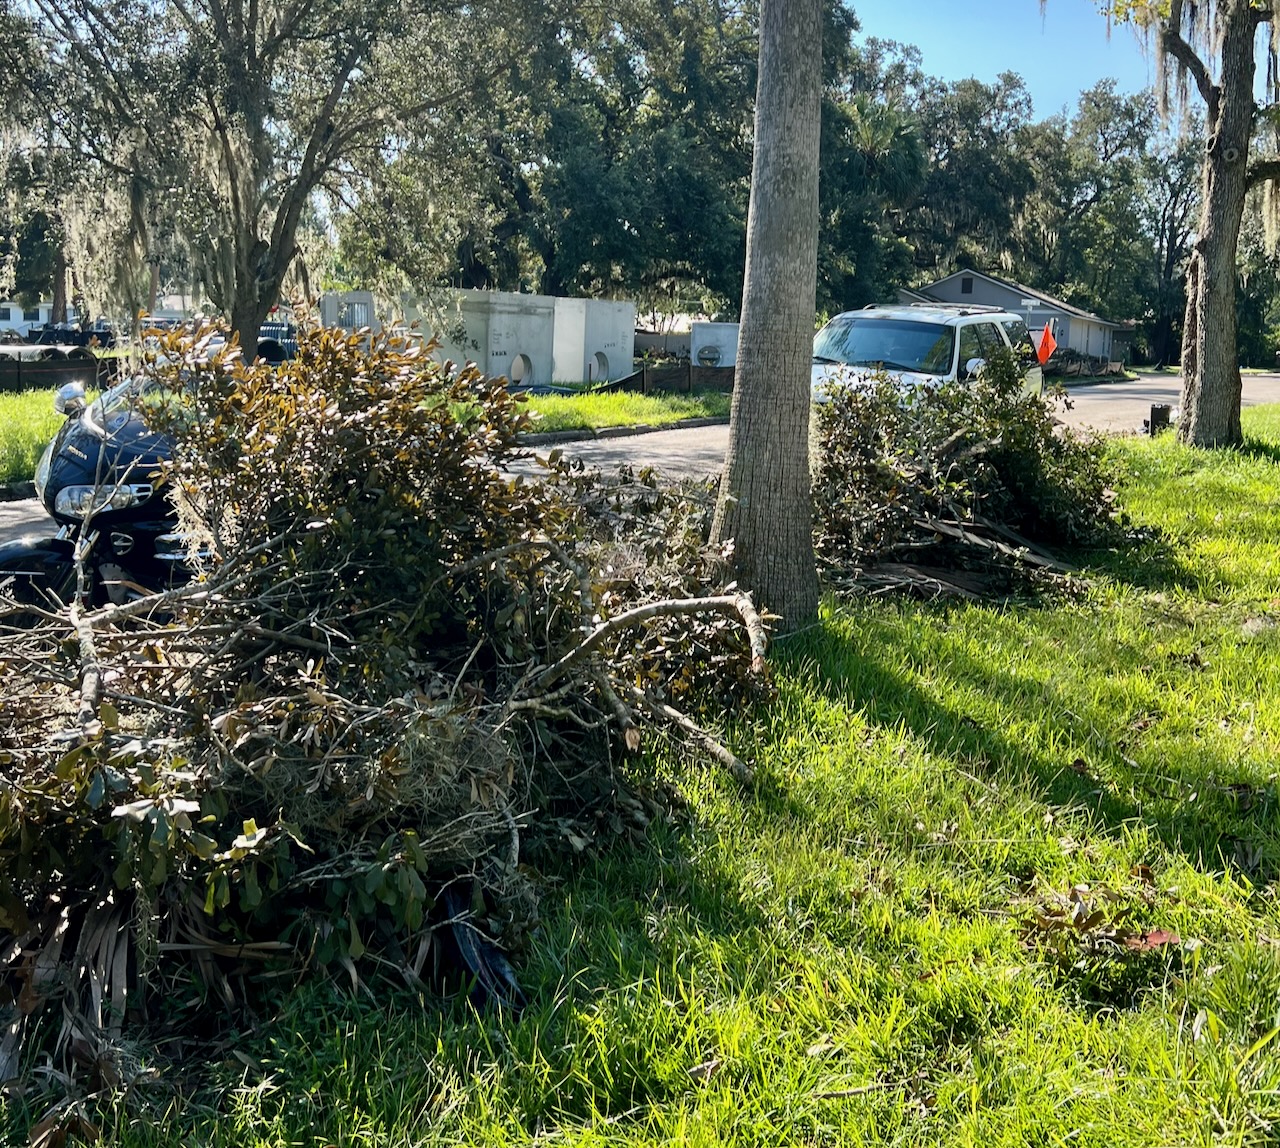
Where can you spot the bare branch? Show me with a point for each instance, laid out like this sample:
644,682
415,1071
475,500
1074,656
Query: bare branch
625,718
734,764
90,672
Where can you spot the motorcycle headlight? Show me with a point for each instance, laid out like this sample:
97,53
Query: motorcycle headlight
81,501
42,471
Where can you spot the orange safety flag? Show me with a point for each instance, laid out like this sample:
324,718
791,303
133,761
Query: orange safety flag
1048,344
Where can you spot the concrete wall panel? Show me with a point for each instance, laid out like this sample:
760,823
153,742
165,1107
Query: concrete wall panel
714,344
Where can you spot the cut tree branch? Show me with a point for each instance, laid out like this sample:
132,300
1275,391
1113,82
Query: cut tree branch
1263,169
734,764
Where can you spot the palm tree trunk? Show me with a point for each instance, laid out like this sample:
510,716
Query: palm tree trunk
765,502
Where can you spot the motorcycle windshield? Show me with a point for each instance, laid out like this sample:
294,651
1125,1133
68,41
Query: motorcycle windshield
136,405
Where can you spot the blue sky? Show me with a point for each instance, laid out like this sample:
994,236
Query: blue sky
1058,55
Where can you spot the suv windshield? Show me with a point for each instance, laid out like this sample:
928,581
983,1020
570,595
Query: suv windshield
895,344
1020,337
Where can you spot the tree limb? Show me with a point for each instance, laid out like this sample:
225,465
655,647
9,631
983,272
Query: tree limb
625,718
91,684
1262,169
734,764
1173,42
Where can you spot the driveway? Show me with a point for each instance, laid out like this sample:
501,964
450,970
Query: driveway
1112,407
23,517
1121,406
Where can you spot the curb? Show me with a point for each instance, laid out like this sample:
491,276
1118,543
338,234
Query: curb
587,434
17,491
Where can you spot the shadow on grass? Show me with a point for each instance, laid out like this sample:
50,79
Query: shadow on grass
1139,557
1261,449
1193,804
1143,559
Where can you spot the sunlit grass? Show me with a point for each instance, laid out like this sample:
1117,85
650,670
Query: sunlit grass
577,412
845,954
27,422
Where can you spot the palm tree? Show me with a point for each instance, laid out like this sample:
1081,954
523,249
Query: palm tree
765,503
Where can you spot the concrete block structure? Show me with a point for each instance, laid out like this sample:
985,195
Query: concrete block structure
533,340
350,310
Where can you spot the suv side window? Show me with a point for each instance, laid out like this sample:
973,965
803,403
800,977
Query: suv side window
970,348
1024,349
991,340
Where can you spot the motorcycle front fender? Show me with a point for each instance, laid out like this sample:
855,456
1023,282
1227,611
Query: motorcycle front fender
37,571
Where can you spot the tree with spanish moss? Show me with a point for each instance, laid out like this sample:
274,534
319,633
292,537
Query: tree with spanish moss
1213,50
222,121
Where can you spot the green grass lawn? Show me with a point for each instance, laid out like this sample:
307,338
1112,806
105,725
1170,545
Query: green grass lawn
578,412
876,945
27,423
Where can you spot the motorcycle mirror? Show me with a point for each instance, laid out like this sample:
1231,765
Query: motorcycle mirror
69,399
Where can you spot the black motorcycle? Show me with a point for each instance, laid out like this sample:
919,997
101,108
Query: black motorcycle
101,480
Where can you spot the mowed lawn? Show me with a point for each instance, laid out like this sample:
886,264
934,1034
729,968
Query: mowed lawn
1009,877
27,423
594,411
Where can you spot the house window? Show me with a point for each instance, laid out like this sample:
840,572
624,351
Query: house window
31,315
966,285
6,314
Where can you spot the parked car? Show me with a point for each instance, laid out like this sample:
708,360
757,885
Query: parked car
919,344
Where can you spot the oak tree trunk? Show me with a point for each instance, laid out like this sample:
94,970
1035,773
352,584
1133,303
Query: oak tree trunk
765,502
1210,366
247,317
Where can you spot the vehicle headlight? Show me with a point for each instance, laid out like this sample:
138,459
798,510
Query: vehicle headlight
81,501
42,471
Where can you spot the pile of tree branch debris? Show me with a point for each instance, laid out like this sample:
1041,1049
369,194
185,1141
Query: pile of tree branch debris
966,490
394,666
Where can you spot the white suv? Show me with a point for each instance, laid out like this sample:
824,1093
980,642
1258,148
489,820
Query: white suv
921,344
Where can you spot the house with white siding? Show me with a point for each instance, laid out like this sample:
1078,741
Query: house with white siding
23,320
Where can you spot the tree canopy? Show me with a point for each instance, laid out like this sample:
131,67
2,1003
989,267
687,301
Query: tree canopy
220,120
248,148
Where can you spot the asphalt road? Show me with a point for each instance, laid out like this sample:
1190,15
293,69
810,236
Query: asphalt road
1113,407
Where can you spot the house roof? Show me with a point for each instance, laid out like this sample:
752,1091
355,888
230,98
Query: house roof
1029,293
